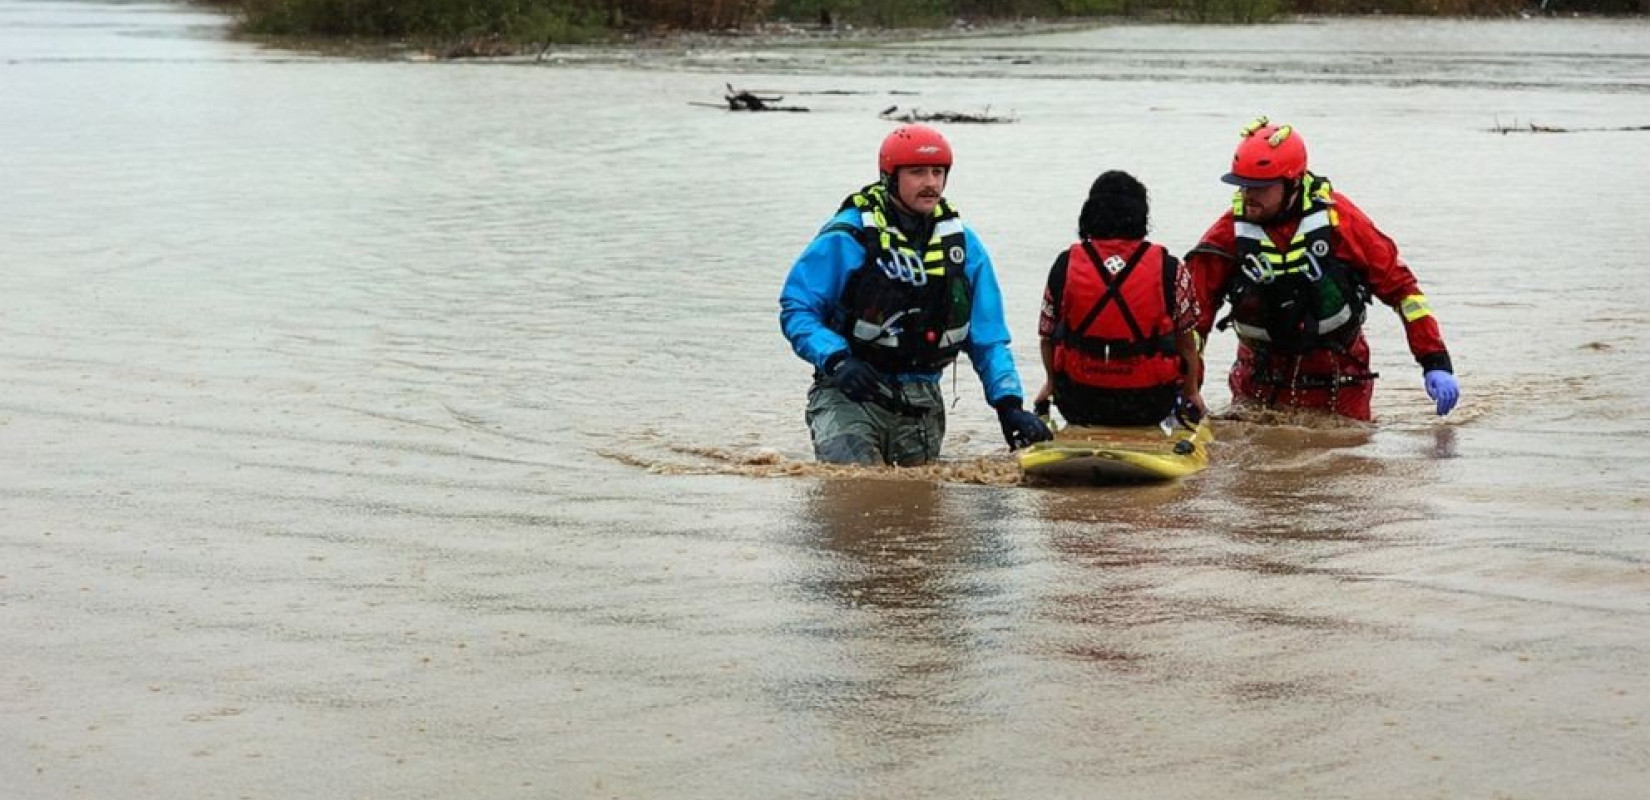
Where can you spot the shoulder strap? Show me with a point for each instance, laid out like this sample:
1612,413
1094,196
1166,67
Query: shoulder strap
1171,270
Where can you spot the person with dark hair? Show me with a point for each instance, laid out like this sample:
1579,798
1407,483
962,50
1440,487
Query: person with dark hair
1119,319
1299,263
884,298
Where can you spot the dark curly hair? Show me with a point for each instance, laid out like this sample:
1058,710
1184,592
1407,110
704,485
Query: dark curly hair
1117,208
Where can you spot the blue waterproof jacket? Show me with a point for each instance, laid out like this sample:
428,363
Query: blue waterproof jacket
813,293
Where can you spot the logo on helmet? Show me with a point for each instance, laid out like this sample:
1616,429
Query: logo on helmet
928,149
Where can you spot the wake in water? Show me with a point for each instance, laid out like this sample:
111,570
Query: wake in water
1238,431
767,463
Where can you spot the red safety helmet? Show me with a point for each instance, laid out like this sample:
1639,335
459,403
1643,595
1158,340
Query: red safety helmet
1268,154
913,146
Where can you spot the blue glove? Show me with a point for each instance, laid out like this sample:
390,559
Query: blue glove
1020,427
1442,387
855,378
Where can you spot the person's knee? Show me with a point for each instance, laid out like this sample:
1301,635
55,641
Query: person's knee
847,449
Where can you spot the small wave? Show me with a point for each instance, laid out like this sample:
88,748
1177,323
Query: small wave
767,463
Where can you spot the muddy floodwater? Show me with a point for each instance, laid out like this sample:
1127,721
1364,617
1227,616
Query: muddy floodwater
423,430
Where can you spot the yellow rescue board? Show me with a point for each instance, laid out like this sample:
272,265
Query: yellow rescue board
1119,455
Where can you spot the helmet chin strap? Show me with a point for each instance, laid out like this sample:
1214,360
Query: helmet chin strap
1292,199
890,183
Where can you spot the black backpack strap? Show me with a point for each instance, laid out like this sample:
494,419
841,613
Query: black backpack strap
1171,271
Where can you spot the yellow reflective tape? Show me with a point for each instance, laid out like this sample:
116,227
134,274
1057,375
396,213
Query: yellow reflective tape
935,271
1254,125
1415,307
1279,135
933,255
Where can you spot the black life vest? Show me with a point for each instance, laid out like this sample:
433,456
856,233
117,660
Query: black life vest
907,308
1115,328
1300,297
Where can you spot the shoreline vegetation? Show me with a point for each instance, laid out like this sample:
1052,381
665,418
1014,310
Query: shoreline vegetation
505,28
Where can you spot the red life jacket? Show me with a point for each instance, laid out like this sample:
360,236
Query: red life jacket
1115,328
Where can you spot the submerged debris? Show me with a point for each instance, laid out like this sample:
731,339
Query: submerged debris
917,115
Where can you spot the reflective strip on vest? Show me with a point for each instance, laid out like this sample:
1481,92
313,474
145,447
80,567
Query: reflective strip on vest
868,334
1312,222
1329,325
1248,230
872,334
1245,331
1335,322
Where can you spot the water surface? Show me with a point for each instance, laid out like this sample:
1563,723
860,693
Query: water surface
424,430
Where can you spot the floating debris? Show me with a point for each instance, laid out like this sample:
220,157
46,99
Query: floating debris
1534,128
739,100
841,92
917,115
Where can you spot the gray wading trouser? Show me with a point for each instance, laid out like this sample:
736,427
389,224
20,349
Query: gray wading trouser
846,432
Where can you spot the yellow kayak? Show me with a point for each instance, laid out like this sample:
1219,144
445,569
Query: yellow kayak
1119,455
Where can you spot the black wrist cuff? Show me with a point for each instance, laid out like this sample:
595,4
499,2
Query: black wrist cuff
1432,361
1009,403
835,360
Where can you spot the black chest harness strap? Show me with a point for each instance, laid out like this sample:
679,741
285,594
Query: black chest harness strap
1142,343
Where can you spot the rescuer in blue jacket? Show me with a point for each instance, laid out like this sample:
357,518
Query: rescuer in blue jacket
882,301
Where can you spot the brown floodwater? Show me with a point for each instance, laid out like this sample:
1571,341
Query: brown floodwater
424,430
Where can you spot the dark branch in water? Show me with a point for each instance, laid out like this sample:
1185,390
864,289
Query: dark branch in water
916,115
1534,128
740,100
842,92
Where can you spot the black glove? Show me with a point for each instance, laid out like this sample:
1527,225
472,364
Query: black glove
1187,412
855,378
1020,427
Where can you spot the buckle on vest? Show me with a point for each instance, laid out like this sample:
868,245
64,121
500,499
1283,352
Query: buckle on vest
1313,270
1257,269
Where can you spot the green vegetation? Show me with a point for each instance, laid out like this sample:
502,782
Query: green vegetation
511,20
542,21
